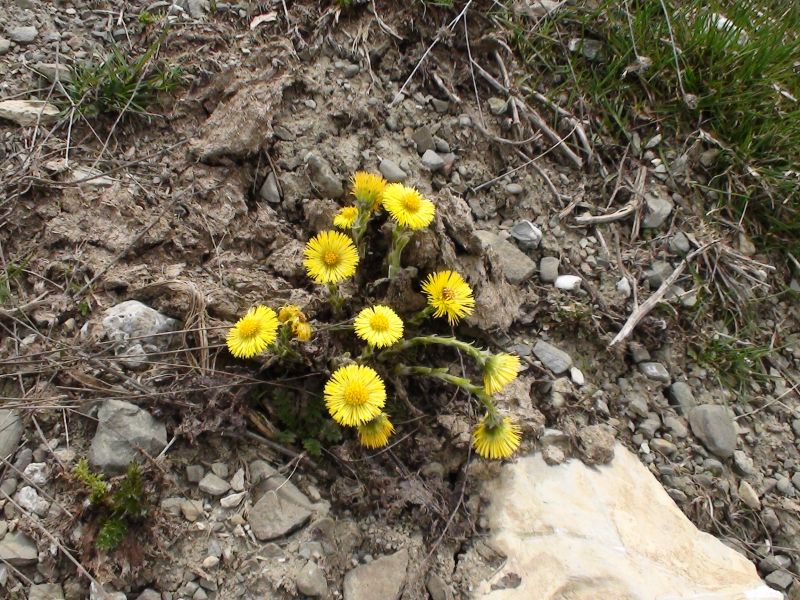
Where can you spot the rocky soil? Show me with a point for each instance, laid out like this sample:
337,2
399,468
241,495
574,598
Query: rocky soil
130,247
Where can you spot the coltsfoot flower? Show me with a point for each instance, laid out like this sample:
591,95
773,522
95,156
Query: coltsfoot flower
330,257
289,312
345,218
354,395
448,294
256,330
368,189
379,326
375,433
407,206
496,439
498,371
301,330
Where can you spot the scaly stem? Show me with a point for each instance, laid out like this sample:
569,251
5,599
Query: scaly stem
420,316
479,355
360,228
400,237
443,375
335,299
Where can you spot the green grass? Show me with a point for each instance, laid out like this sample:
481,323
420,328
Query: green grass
735,80
736,362
120,83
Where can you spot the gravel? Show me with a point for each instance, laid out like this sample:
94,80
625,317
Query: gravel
24,34
391,171
655,371
123,428
681,396
517,266
548,269
431,160
553,358
715,428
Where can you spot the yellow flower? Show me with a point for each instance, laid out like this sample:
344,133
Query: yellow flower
407,206
449,295
499,370
301,330
379,326
345,218
253,332
368,189
288,312
330,257
496,439
354,395
375,433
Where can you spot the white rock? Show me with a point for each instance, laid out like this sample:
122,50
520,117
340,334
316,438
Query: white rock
37,473
210,562
29,499
577,376
624,286
568,282
608,531
232,500
28,112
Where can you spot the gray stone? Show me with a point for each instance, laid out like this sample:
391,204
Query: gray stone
497,106
553,358
553,455
323,178
715,428
748,495
785,487
135,327
24,34
267,479
437,588
5,45
657,273
658,209
382,578
98,593
432,161
596,444
528,236
713,466
10,432
18,549
194,473
274,516
197,8
53,71
680,395
351,70
220,469
743,464
122,430
232,500
149,595
311,581
46,591
779,580
650,425
424,140
796,480
663,446
441,145
675,426
9,485
29,499
774,562
638,352
655,371
28,113
36,473
391,171
637,404
172,506
269,191
548,269
192,510
514,189
516,265
214,485
679,244
237,481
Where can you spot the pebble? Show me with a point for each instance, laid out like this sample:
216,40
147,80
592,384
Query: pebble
18,549
192,510
774,562
779,580
517,266
311,581
796,480
528,236
548,269
553,455
577,376
351,70
748,495
743,464
515,189
194,473
437,588
432,161
237,481
382,578
391,171
657,273
553,358
46,591
638,352
29,499
275,515
663,446
423,139
219,469
214,485
679,244
497,106
568,282
23,34
210,562
624,287
27,113
680,395
596,444
10,431
655,371
232,500
5,45
675,427
323,177
269,191
658,209
715,428
37,473
785,487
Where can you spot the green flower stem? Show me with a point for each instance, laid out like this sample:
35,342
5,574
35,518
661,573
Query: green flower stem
335,299
360,227
443,375
400,238
420,316
479,355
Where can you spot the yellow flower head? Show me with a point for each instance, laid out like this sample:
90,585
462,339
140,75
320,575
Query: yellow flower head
495,438
449,295
498,371
301,330
375,433
253,332
368,189
330,257
354,395
345,218
407,206
379,326
288,313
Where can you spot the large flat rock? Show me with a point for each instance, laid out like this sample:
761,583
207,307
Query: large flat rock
571,531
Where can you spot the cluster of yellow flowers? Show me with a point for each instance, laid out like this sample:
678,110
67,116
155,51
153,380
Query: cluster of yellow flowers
355,394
